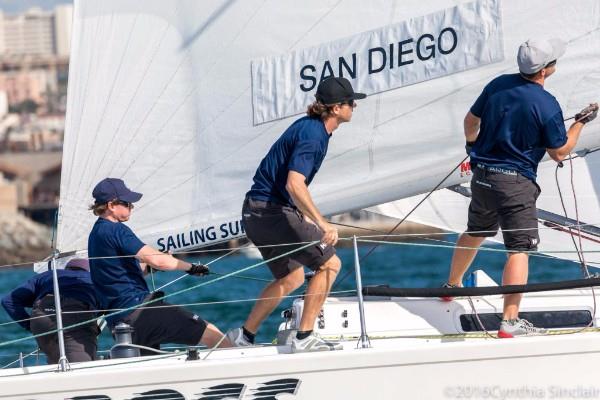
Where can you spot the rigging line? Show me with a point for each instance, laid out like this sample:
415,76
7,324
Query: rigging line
474,248
19,359
135,94
286,254
205,303
562,202
581,254
487,231
101,119
186,274
404,235
350,271
540,255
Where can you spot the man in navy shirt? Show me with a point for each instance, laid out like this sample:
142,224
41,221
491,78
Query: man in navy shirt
509,129
115,254
279,210
77,303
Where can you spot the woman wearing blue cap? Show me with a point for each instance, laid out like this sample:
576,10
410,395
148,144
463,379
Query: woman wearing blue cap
115,254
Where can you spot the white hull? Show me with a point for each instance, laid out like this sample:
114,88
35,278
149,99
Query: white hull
426,355
392,369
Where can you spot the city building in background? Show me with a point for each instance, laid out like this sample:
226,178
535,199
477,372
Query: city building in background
34,65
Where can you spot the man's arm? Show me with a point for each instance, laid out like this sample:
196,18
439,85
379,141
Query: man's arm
560,153
17,301
296,187
162,261
471,126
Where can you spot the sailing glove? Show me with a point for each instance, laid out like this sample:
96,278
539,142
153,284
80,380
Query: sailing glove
587,114
198,270
469,147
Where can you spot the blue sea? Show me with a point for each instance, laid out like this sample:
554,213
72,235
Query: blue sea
227,302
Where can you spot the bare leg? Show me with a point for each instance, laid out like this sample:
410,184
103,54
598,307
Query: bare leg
271,296
462,258
515,273
211,337
317,291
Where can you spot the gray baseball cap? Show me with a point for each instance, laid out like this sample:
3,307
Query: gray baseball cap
535,54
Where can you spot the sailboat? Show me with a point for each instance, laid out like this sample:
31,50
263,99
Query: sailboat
183,98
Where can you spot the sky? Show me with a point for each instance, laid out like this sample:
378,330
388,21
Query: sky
18,6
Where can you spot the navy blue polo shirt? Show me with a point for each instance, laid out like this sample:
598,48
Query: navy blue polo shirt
119,281
75,284
301,148
519,121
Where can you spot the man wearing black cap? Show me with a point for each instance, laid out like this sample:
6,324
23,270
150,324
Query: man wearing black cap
77,303
279,209
115,254
509,129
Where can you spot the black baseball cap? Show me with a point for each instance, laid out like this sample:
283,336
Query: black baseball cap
109,189
336,90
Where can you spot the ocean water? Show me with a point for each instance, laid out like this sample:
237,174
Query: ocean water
227,302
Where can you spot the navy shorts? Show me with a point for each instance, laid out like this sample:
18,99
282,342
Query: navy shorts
268,223
506,200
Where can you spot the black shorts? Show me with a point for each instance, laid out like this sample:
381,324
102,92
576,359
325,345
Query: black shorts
154,326
505,200
268,223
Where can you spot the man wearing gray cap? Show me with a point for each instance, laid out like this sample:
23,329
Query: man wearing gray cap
511,126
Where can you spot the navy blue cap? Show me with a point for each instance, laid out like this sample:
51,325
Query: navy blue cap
109,189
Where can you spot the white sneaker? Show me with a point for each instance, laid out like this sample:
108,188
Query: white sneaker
519,327
237,339
313,342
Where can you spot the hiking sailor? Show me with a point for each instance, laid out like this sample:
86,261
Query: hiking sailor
116,253
510,127
77,304
279,209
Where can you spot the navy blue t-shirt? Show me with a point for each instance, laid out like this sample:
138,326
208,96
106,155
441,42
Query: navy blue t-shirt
301,148
119,281
75,284
519,121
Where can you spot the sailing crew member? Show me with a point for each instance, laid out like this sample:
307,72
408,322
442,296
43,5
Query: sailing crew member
508,130
118,259
279,209
77,304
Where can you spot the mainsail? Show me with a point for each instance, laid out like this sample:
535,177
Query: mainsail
182,98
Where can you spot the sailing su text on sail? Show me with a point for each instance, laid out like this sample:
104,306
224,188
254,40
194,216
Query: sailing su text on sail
225,231
393,55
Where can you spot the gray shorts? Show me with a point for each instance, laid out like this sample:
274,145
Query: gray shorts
505,200
269,223
80,342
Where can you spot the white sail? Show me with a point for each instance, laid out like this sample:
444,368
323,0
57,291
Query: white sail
448,210
183,98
